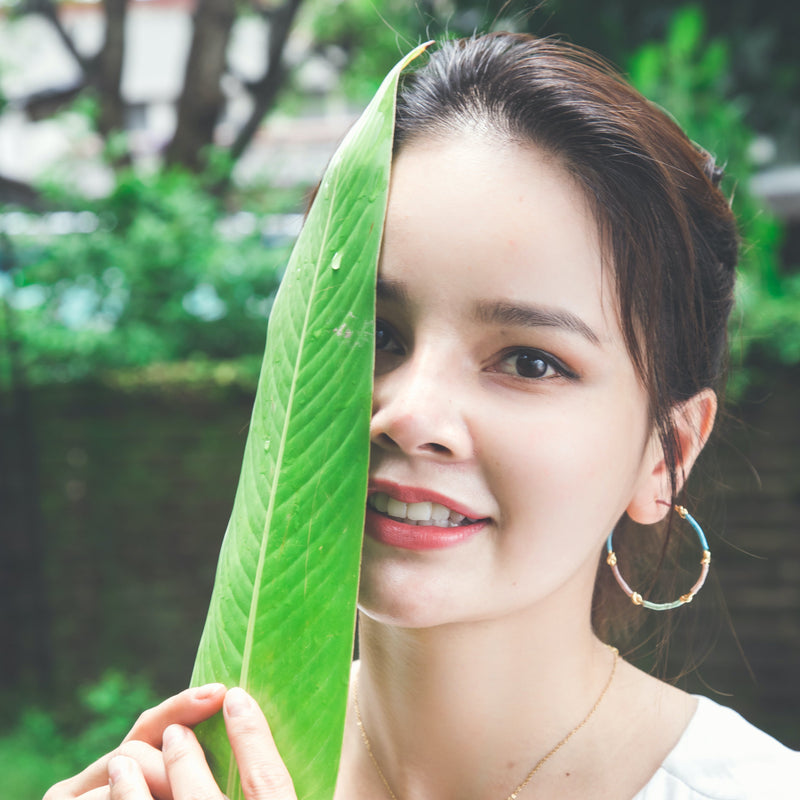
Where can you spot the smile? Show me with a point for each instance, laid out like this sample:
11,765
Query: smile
421,520
422,514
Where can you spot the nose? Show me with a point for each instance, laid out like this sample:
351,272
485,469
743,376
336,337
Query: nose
417,410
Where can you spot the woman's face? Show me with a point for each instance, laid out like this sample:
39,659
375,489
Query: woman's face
503,391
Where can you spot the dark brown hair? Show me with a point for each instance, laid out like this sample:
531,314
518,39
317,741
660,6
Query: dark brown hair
667,230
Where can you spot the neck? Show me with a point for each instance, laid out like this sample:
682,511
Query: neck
453,711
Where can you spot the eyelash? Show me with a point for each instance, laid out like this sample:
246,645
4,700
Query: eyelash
384,332
535,356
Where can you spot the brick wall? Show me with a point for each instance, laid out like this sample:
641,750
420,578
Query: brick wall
136,492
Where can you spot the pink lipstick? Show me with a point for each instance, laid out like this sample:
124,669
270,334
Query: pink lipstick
418,519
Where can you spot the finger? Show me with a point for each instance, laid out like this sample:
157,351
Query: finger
263,774
100,793
187,708
151,763
126,780
94,777
187,770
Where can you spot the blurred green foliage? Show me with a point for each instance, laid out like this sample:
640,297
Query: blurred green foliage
761,34
42,749
172,274
372,39
166,276
690,75
374,36
173,287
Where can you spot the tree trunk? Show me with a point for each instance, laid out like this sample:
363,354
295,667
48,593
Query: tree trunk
48,9
201,100
17,193
102,72
266,90
107,69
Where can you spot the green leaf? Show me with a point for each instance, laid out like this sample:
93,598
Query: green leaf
282,615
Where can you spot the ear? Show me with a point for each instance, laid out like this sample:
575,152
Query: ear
693,420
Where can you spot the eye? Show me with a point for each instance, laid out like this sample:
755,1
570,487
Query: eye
529,363
386,340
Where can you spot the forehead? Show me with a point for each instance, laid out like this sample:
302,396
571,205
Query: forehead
476,213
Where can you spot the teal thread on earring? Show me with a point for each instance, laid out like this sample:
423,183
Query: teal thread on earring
636,598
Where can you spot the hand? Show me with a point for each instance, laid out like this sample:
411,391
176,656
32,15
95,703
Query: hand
161,758
144,740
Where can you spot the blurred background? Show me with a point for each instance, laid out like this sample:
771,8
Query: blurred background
155,157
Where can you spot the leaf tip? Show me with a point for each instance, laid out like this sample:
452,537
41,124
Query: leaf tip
417,51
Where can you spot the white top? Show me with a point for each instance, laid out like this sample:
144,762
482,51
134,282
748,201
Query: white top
721,756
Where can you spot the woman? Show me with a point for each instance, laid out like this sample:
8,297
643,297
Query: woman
555,281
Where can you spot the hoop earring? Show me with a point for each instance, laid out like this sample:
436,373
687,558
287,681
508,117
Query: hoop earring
635,597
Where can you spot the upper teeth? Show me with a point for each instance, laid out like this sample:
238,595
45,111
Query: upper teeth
423,513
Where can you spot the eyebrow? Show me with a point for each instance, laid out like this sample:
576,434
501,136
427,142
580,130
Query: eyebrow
502,312
392,291
523,315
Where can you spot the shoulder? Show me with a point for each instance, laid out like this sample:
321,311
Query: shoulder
721,756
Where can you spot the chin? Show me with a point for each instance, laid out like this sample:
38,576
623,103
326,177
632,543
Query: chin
399,608
397,594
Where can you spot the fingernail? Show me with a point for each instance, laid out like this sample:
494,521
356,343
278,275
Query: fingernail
173,735
209,690
118,768
237,702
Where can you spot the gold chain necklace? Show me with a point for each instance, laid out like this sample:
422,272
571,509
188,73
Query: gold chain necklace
536,767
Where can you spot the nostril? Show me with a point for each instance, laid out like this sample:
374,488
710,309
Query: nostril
436,448
386,440
413,432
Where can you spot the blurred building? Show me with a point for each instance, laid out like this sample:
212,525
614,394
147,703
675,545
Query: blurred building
36,65
291,149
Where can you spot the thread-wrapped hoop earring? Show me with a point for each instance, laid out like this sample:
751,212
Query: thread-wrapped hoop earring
636,598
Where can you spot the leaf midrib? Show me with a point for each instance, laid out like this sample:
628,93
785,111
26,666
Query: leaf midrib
251,622
233,781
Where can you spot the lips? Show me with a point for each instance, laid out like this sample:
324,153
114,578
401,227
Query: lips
416,519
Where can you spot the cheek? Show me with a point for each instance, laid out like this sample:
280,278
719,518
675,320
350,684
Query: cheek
566,456
544,442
